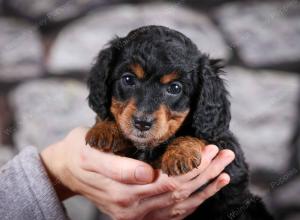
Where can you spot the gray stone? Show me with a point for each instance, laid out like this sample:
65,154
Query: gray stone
264,111
79,43
55,10
6,153
264,33
21,50
79,208
203,3
46,110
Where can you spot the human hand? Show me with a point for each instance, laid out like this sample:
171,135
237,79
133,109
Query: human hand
105,179
211,167
108,180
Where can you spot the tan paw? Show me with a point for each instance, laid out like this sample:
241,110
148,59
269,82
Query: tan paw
182,156
106,136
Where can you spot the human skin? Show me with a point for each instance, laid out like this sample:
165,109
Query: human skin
125,188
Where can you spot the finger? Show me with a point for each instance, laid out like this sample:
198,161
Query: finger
160,214
224,158
135,192
165,184
162,184
209,152
166,213
156,202
95,180
90,184
112,193
121,169
195,200
111,190
104,185
183,216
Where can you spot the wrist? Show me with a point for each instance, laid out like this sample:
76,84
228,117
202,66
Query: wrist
52,160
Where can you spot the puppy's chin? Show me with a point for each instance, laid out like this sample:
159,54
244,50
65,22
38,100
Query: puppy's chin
142,140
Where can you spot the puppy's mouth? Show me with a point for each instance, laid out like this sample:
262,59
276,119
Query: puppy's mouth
141,135
142,138
151,138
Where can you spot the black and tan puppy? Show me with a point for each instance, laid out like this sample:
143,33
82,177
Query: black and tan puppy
157,97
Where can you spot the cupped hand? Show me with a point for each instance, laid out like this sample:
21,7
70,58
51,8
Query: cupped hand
125,188
210,169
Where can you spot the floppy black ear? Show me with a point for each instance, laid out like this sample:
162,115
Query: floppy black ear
99,84
212,115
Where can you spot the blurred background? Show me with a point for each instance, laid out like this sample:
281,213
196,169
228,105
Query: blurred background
47,47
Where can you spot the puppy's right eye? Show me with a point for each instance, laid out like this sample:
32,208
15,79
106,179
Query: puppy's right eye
128,79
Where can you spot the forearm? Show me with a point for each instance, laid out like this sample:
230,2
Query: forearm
26,191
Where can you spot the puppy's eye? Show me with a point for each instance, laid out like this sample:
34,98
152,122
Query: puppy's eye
174,88
128,79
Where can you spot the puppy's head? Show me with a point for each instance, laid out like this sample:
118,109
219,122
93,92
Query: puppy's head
151,81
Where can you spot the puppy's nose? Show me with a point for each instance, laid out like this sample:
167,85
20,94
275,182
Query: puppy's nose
142,124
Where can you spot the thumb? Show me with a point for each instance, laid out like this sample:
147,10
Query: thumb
122,169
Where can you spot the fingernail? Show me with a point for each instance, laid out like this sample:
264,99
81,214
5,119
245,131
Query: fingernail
143,174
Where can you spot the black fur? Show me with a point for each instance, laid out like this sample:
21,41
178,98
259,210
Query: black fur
159,50
99,81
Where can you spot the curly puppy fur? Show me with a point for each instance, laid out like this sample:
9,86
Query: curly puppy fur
156,94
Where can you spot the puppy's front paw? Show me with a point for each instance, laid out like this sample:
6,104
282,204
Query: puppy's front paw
99,139
106,136
182,155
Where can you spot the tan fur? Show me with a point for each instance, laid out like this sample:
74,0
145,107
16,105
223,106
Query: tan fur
182,155
106,136
168,78
168,122
123,113
138,71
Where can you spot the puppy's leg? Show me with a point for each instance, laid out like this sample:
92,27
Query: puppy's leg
106,136
182,155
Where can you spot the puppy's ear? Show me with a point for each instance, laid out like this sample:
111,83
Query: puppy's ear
212,115
99,82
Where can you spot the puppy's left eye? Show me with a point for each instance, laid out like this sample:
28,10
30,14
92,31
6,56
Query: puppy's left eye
128,79
174,88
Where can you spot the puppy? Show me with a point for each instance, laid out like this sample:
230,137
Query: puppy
158,98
